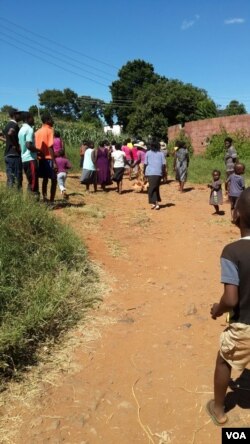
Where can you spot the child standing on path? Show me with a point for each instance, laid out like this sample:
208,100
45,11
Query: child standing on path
216,198
63,165
236,184
235,340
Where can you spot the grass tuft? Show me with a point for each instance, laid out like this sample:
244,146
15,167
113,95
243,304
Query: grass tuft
46,279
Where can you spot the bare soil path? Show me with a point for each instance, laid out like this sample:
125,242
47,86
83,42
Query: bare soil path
140,370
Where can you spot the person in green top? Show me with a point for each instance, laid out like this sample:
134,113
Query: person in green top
29,152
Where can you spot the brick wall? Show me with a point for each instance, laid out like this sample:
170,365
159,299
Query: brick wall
199,130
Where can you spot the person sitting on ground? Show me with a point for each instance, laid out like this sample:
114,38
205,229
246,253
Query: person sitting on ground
235,340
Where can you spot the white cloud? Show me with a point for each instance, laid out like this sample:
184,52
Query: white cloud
234,21
186,24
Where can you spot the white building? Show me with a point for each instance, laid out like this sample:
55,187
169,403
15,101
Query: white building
115,130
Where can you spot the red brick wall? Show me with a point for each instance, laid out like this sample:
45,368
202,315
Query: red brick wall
199,130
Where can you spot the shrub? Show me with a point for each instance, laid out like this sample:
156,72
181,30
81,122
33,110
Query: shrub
184,138
46,279
241,142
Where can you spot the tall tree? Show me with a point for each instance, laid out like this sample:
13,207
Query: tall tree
91,110
133,77
165,103
235,108
6,108
62,104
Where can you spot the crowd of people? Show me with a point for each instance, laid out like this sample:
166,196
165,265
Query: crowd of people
41,154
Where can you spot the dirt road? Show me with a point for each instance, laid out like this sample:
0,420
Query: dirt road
140,370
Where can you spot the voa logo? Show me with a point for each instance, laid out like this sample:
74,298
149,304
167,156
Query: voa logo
236,435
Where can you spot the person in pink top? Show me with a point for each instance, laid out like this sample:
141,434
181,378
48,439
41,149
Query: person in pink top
127,149
63,165
58,143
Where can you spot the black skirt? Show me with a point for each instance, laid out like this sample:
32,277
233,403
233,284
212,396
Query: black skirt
118,174
154,189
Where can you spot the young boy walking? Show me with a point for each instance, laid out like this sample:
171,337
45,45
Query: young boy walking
235,340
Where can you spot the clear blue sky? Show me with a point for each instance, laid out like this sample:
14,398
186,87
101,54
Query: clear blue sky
206,43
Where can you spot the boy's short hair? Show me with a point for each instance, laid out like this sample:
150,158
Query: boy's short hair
216,171
239,168
57,133
228,139
243,207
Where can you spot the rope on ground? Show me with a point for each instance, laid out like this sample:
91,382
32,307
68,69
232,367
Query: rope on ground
138,413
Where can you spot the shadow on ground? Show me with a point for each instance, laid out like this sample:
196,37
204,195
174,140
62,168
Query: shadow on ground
240,392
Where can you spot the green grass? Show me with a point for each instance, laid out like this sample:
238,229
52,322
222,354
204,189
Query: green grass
46,279
200,169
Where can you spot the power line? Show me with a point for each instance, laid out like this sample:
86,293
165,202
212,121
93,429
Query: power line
52,63
52,55
57,52
59,44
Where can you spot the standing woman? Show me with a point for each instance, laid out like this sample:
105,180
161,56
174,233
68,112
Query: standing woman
181,162
154,169
102,165
88,176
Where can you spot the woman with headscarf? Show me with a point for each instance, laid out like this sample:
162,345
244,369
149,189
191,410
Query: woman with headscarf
154,170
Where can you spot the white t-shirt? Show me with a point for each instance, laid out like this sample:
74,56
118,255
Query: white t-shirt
119,158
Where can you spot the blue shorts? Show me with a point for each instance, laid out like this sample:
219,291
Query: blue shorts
46,170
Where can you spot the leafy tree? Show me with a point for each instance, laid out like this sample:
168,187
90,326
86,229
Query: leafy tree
91,110
235,108
62,104
6,108
133,77
206,109
33,109
165,103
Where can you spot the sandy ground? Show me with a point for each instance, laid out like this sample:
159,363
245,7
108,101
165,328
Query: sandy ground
140,369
